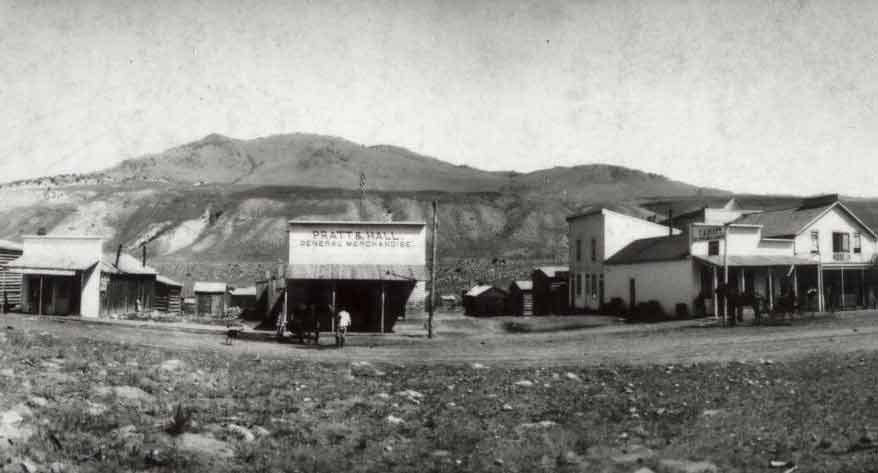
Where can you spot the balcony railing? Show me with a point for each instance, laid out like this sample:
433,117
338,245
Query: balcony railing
841,256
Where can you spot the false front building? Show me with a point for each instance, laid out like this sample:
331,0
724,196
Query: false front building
374,270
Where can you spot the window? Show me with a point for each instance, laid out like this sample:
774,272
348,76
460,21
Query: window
601,289
815,242
578,284
587,284
858,243
594,285
841,242
713,248
579,251
594,249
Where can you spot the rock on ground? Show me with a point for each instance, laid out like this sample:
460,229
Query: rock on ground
13,426
171,365
685,466
364,368
205,445
241,432
524,383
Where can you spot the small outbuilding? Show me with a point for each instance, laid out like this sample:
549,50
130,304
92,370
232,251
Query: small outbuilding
550,290
168,295
211,298
521,300
10,281
485,301
244,298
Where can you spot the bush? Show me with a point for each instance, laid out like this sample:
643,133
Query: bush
650,311
616,306
681,310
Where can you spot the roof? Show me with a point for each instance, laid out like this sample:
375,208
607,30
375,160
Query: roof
757,260
479,290
552,271
624,209
665,248
57,261
244,291
791,222
210,287
361,272
167,281
127,265
524,285
355,222
785,222
10,245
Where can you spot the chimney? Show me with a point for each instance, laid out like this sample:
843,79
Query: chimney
118,255
143,258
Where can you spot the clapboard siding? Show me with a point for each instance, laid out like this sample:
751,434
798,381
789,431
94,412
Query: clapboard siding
10,282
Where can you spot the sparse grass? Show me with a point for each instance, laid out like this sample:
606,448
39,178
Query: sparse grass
814,412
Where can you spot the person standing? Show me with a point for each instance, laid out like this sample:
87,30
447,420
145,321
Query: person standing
342,322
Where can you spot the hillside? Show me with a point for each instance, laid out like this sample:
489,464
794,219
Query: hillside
222,204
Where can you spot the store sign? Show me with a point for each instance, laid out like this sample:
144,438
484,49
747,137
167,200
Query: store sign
706,232
356,243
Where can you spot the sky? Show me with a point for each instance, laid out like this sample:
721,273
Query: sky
750,96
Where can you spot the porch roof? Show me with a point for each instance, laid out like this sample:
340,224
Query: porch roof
757,260
44,263
362,272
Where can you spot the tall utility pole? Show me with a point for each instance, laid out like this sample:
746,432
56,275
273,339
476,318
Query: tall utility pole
432,301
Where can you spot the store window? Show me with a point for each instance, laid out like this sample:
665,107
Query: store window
815,242
578,284
858,243
713,248
579,250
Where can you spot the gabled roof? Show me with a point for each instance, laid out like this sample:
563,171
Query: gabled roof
665,248
790,222
479,290
210,287
11,246
552,271
624,209
167,281
127,265
524,285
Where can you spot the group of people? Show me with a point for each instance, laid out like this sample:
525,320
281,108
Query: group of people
307,320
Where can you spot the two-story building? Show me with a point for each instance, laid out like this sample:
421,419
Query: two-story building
596,234
820,252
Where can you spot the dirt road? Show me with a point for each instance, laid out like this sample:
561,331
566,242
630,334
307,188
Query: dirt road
643,344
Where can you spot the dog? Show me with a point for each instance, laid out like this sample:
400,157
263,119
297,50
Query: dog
232,333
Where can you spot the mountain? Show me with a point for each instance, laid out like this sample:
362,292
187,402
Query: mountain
218,207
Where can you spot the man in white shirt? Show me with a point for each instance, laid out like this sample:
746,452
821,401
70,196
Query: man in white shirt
342,322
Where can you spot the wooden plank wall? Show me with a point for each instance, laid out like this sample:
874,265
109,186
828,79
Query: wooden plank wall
123,292
10,281
168,299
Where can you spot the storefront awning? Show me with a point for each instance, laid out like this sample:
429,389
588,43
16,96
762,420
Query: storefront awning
357,272
757,260
51,265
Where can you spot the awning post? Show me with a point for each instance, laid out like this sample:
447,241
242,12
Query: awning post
382,306
770,289
715,295
40,302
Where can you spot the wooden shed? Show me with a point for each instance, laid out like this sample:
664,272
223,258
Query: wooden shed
244,298
484,301
10,281
550,290
521,300
211,298
127,285
168,295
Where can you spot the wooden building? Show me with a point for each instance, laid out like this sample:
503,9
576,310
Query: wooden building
69,275
211,298
550,290
10,281
521,300
168,295
485,301
373,270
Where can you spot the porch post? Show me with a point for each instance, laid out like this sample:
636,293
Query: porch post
841,295
714,295
796,282
40,304
820,302
332,303
770,289
382,306
741,281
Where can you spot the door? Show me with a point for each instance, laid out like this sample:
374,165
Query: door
632,293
